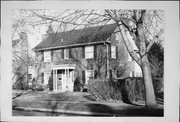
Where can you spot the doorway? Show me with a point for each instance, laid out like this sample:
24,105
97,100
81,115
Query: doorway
63,78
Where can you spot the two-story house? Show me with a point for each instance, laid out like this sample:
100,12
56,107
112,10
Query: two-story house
83,54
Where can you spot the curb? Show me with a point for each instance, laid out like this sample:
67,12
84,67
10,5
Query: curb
60,111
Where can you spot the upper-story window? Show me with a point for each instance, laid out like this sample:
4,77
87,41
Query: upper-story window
117,36
113,52
66,53
89,52
47,56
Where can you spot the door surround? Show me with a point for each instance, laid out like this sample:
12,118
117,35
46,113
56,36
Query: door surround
67,78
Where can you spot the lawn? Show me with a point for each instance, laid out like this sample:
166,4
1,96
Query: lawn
79,102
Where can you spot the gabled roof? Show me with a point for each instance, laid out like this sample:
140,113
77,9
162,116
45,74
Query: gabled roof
77,37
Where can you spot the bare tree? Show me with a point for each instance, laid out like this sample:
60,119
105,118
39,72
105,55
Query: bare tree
142,25
138,18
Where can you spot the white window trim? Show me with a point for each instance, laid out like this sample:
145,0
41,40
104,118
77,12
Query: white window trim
86,72
91,52
46,77
45,58
65,51
117,36
113,52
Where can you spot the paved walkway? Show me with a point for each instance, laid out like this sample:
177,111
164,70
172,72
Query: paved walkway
78,103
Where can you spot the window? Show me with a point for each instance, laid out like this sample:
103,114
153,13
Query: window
113,52
30,76
117,36
89,52
89,75
47,56
114,73
46,77
66,53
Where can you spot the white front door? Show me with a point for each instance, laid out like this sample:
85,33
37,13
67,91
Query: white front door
68,81
63,80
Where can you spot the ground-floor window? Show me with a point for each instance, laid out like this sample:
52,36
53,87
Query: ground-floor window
89,75
114,73
46,77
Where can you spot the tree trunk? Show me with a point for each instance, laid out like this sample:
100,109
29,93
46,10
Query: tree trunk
150,96
143,60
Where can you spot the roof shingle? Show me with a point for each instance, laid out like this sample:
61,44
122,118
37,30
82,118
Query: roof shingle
80,36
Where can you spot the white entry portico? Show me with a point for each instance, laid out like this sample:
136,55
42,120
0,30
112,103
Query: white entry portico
63,77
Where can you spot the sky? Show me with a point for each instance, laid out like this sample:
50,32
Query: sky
35,33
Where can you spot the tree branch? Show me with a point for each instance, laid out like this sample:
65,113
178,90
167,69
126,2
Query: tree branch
126,40
154,40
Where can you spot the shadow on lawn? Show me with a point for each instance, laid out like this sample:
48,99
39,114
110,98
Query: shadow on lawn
53,105
22,93
137,110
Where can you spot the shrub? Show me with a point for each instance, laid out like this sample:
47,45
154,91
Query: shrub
77,84
104,90
20,85
128,90
50,83
132,89
39,87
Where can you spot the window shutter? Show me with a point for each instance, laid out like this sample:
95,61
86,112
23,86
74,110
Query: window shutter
110,51
83,76
95,74
110,73
95,51
42,78
42,56
116,53
62,53
83,52
70,55
51,55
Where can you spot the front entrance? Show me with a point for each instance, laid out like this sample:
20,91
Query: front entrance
63,78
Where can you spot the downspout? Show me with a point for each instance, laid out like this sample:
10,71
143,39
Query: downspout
107,60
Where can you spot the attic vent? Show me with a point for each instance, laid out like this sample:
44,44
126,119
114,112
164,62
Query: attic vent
61,40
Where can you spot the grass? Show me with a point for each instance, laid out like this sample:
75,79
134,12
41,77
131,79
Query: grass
78,101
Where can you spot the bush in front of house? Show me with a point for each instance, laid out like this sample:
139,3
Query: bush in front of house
104,90
77,84
50,83
132,89
39,87
128,90
20,84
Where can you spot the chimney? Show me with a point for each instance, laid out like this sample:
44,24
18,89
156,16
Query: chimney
23,36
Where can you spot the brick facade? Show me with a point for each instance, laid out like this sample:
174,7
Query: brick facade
102,63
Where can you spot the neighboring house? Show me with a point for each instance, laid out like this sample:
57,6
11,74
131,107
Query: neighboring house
83,54
22,61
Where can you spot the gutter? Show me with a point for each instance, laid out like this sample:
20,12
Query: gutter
73,45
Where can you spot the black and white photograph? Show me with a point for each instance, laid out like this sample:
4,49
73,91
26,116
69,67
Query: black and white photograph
88,62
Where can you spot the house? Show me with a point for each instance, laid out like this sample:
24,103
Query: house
83,54
22,59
